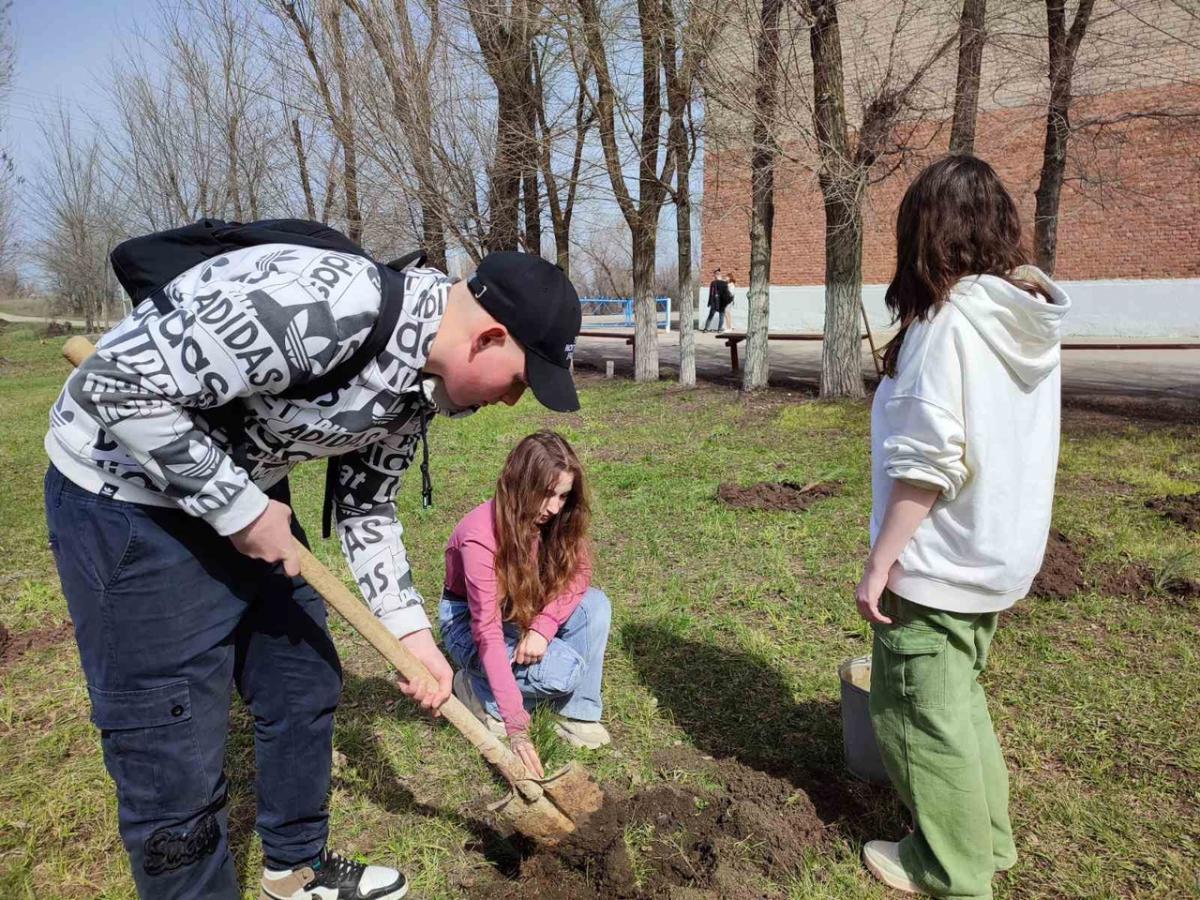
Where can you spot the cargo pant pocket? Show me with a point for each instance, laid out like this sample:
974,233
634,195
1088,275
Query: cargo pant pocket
151,749
911,660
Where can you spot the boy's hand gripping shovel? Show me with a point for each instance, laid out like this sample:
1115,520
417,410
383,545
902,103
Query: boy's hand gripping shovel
545,810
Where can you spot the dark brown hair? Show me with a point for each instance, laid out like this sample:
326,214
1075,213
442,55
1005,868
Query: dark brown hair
956,219
530,474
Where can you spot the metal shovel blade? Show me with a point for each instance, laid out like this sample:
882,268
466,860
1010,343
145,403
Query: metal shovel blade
563,803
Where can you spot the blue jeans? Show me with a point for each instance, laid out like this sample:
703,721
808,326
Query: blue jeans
169,617
569,676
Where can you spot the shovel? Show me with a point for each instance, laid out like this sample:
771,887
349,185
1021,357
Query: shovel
544,810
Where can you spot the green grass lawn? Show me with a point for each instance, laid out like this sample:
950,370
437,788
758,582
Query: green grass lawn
729,625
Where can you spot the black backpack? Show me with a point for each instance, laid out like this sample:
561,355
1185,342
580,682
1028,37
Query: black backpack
145,265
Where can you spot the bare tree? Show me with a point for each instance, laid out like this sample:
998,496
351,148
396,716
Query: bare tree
1063,41
641,216
688,34
505,32
9,180
406,65
972,35
561,191
308,21
763,156
77,202
845,168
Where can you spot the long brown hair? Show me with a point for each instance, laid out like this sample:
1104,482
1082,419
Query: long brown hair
956,219
527,583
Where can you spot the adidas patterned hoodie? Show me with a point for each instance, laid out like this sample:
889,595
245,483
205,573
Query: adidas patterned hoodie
133,421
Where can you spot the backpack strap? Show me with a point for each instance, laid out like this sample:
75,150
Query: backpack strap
391,304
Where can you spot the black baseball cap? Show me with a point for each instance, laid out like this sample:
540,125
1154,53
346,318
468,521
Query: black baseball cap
535,300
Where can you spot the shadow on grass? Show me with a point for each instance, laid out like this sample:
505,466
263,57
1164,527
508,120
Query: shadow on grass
364,703
735,704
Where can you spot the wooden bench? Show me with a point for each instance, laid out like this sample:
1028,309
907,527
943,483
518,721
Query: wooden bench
733,338
627,338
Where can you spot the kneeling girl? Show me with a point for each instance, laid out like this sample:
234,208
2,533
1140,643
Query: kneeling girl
519,616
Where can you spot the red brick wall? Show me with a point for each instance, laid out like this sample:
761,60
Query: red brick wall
1130,207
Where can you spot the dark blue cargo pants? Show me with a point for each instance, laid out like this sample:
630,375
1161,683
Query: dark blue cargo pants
169,617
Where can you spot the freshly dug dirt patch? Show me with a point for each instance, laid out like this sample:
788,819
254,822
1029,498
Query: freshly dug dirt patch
1131,582
1137,581
12,645
1061,576
674,840
785,495
1182,509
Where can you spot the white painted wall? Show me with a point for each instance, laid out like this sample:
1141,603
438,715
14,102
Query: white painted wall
1144,309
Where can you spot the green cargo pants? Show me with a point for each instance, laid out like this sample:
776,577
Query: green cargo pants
937,742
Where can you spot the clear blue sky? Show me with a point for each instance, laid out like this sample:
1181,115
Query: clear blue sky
63,48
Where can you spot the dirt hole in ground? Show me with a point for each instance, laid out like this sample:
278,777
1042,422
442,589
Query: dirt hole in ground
786,495
676,840
1061,576
1182,509
13,644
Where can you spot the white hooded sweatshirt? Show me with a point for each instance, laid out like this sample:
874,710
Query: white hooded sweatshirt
974,411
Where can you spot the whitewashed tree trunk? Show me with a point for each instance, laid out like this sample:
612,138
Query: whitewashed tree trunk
762,197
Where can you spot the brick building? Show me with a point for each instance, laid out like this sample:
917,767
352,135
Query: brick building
1129,221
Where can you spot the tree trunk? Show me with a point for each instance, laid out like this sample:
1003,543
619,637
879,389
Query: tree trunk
971,38
645,329
345,123
1063,49
687,280
533,212
504,194
841,351
762,196
1049,189
843,182
642,217
302,162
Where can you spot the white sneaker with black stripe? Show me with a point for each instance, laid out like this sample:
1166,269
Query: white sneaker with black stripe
333,877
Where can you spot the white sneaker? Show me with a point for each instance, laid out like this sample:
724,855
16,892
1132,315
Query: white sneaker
333,877
466,693
585,735
883,861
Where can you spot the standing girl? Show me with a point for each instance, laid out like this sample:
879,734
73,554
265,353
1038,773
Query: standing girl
964,445
518,615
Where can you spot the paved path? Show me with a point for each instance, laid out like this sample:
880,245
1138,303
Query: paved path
1149,373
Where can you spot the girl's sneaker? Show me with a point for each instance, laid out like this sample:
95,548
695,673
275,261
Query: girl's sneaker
883,861
466,693
585,735
333,877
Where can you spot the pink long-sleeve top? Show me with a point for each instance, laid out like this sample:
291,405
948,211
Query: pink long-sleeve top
471,573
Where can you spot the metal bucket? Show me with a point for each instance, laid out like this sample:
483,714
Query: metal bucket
858,735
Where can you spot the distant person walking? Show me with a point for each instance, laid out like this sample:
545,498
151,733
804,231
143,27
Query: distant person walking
726,316
714,300
718,291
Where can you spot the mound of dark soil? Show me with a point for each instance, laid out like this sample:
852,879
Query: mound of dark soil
13,645
786,495
672,840
1182,509
1061,576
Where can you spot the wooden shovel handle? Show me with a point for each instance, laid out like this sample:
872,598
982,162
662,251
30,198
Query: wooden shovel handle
365,623
78,349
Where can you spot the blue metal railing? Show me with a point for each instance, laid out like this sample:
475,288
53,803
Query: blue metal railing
623,306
